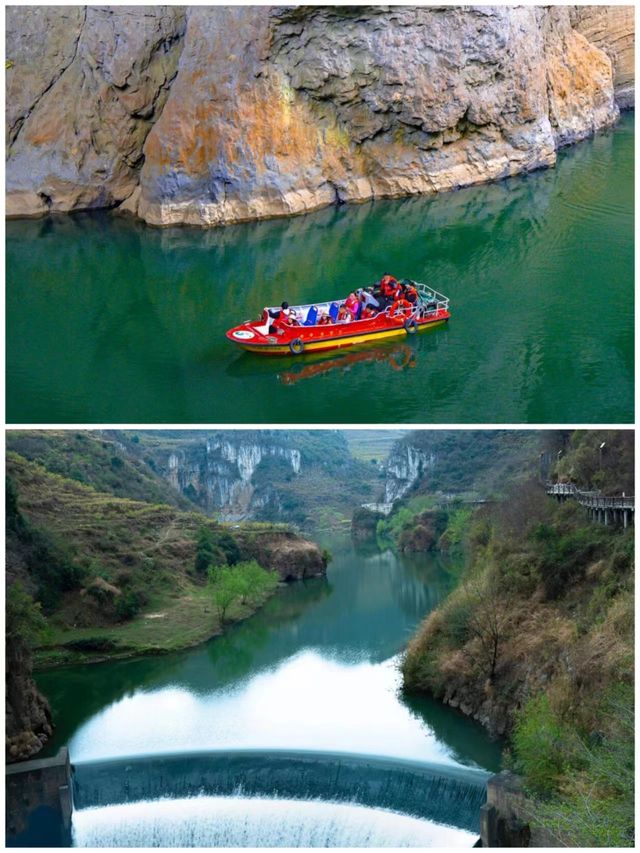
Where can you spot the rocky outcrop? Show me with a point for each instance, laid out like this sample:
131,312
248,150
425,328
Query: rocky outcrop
279,110
293,557
611,28
27,713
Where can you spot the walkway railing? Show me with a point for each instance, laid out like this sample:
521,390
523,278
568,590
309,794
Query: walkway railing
595,500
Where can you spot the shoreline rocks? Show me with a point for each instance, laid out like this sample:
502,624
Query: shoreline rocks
213,115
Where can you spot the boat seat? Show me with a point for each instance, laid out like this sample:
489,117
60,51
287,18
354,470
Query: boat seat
268,320
333,311
312,316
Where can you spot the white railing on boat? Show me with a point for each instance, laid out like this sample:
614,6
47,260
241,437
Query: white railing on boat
429,302
429,296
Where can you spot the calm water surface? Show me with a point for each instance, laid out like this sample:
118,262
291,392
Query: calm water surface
109,320
315,669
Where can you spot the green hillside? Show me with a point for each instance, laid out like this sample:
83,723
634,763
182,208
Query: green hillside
96,458
117,576
537,642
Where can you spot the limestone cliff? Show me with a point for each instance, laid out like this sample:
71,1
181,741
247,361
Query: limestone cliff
405,467
209,115
217,472
457,463
611,28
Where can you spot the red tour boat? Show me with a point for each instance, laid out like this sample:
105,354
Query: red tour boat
317,327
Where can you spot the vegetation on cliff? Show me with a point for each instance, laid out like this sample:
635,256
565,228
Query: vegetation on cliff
537,643
175,467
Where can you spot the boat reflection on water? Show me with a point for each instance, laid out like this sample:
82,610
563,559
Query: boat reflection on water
399,357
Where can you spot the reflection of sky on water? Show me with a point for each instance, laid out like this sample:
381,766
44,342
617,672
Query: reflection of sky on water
307,702
316,668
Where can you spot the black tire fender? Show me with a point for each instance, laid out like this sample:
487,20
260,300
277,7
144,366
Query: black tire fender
411,326
296,346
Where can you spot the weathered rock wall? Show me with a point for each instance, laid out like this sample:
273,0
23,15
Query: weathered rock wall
612,29
27,713
83,88
279,110
217,472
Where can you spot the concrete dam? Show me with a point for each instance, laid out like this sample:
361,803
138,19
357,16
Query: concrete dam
68,809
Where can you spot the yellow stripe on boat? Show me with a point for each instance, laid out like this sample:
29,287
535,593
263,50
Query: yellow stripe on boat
338,343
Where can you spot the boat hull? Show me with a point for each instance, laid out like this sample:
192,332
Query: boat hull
323,339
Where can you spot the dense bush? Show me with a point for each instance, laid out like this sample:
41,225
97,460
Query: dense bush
130,603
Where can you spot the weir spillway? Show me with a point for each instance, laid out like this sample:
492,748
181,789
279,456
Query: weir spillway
446,795
449,795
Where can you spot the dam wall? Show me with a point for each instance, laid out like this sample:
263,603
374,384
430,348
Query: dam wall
39,802
448,795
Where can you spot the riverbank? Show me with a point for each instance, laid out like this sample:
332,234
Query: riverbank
537,643
119,578
264,684
172,623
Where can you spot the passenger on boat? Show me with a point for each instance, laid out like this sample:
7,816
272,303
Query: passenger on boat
324,319
367,298
389,287
280,318
344,315
368,311
410,293
353,306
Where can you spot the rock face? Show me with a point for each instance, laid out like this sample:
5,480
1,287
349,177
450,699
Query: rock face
27,713
218,473
293,557
405,467
611,28
84,87
280,110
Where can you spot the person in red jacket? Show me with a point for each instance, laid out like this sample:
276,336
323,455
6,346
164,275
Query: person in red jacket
388,289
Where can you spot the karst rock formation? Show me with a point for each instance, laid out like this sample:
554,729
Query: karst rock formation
209,115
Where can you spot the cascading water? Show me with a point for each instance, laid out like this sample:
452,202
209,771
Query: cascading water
256,822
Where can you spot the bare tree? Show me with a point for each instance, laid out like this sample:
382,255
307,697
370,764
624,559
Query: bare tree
487,623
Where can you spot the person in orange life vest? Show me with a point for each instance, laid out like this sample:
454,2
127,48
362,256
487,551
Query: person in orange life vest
280,319
367,312
388,289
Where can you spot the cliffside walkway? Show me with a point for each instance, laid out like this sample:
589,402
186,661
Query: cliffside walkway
619,509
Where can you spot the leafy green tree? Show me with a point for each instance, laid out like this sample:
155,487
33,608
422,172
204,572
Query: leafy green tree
226,587
25,622
254,581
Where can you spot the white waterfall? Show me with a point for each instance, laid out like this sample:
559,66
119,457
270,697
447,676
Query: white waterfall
256,822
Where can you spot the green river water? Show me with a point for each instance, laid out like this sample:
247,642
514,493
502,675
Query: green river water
109,320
